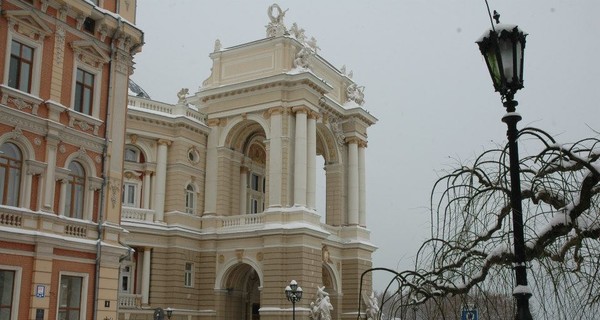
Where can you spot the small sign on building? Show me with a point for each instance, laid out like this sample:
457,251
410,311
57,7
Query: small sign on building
469,314
40,291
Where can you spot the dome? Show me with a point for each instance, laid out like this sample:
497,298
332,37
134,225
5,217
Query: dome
136,90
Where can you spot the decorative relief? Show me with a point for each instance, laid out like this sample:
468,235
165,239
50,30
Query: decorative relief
298,33
259,256
79,121
181,95
325,255
239,254
98,159
115,191
59,45
89,53
62,13
302,58
81,153
336,128
62,148
27,24
22,104
37,141
45,4
103,30
221,258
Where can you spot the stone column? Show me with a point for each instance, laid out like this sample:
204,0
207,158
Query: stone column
147,183
275,158
311,158
362,205
353,181
300,157
63,197
146,276
49,181
212,166
161,179
243,186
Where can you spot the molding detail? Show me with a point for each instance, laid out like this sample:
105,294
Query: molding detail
89,53
28,23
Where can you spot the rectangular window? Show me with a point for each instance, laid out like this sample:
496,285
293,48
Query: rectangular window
126,278
21,66
254,182
129,191
89,25
69,301
189,275
7,283
84,92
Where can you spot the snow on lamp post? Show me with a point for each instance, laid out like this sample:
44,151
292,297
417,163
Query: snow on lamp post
293,293
502,48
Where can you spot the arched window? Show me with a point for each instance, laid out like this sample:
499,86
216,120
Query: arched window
11,162
132,154
75,191
190,199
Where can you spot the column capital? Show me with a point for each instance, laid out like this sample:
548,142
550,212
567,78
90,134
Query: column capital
362,144
353,140
313,115
164,142
216,122
300,109
276,111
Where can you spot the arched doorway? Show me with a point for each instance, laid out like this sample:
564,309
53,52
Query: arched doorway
242,301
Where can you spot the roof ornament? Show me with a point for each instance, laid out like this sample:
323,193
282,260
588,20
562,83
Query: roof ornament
276,28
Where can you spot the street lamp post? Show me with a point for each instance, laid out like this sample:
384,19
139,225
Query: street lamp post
503,48
169,313
293,293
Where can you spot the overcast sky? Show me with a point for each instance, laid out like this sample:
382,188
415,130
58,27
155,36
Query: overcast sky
425,81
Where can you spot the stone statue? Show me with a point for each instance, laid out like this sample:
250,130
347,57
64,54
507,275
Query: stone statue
298,33
218,46
343,70
321,308
372,304
356,93
276,28
312,43
182,94
302,57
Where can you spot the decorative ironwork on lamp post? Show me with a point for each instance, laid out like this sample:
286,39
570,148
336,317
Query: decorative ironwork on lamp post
293,293
503,49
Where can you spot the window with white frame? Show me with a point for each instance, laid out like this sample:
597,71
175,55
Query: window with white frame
84,91
21,66
71,297
11,162
130,194
7,288
75,191
190,199
256,193
126,277
188,280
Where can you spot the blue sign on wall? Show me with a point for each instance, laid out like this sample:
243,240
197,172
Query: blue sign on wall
469,314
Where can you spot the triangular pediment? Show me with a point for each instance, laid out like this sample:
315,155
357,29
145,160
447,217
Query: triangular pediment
89,53
28,23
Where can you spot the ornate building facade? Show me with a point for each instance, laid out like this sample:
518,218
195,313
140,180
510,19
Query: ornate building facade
116,206
65,66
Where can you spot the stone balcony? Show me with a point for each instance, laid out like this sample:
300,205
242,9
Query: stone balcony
51,224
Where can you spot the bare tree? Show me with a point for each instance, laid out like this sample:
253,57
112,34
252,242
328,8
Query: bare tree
470,252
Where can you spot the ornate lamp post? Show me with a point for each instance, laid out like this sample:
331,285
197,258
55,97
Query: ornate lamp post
503,48
169,313
293,293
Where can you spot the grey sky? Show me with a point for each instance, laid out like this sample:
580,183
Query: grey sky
424,76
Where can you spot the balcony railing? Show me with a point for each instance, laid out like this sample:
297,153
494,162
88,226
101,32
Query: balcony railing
242,220
130,301
137,214
167,109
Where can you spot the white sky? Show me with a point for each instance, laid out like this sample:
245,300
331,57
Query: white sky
425,80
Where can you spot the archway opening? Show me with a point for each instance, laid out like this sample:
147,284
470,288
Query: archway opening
242,300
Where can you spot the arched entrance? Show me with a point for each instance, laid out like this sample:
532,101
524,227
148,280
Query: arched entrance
242,300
